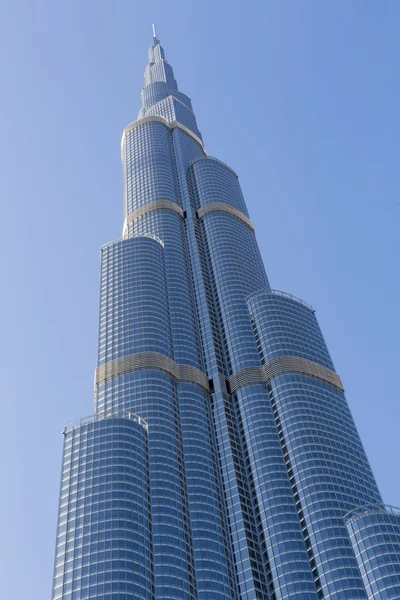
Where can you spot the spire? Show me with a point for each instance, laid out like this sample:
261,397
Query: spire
155,39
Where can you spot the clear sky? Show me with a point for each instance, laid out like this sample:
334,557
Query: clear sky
300,98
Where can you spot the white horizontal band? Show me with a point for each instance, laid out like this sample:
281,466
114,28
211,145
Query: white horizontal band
280,366
149,207
223,207
169,124
151,360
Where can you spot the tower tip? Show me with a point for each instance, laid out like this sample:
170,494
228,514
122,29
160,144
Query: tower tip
154,31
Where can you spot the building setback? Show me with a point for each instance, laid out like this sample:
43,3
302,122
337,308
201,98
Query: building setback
222,462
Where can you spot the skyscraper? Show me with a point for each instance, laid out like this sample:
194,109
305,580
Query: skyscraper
222,461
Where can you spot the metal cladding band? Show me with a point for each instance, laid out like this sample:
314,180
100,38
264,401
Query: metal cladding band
280,366
223,207
143,210
151,360
171,125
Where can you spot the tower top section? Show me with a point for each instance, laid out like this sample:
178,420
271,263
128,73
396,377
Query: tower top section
160,94
158,69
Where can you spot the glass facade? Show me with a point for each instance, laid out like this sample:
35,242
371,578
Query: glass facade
222,462
374,532
329,471
104,538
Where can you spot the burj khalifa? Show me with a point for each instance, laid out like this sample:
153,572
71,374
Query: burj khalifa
222,461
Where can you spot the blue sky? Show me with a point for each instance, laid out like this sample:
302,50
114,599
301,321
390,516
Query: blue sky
300,98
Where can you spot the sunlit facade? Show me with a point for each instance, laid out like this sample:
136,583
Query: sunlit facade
222,462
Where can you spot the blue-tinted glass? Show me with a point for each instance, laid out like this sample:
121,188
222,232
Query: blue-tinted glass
222,462
375,536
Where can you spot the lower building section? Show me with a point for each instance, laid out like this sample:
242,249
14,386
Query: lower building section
325,460
104,538
249,552
288,565
135,324
153,395
216,579
242,483
374,532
